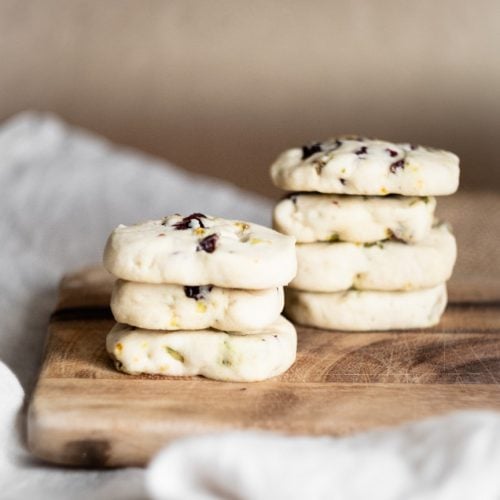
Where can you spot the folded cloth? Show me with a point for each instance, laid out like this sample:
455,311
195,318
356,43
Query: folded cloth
448,458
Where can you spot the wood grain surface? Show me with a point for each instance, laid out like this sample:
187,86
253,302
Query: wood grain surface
85,413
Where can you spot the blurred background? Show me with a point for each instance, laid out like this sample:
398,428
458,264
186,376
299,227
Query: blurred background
222,86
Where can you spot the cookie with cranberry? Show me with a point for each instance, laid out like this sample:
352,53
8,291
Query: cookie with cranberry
201,250
176,307
358,165
311,217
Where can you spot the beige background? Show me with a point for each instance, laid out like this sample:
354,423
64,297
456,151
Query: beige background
222,86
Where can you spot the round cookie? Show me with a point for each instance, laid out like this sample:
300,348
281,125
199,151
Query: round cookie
201,250
211,353
177,307
357,165
363,219
384,265
366,310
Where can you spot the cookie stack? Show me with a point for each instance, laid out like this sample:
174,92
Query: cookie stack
200,295
375,259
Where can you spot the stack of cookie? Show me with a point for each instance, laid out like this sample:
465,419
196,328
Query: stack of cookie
200,295
375,259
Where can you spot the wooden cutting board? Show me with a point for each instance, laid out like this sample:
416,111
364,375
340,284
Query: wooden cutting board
85,413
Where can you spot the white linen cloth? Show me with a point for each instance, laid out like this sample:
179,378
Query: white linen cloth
62,190
447,458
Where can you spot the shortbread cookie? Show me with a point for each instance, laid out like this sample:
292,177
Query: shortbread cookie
366,310
201,250
384,265
364,219
177,307
356,165
211,353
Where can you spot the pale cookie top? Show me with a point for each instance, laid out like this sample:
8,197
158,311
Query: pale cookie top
311,217
201,250
357,165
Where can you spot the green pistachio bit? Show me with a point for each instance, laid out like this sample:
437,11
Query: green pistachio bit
379,244
425,199
227,354
175,354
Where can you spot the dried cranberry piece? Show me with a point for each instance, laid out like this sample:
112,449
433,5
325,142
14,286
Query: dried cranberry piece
197,292
208,243
196,216
311,149
361,151
392,152
397,164
185,223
